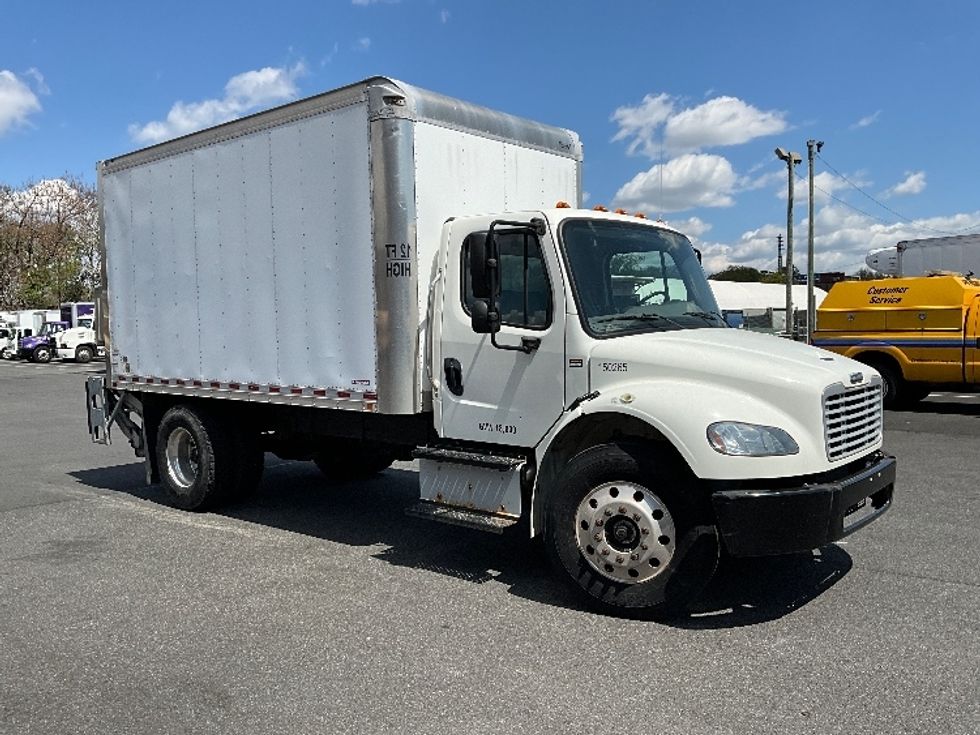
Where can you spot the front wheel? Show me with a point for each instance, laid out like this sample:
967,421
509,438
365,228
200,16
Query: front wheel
41,354
83,354
628,531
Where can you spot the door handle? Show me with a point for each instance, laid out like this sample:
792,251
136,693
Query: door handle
454,375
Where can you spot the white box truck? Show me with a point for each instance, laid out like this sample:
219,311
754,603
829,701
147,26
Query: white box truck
381,272
954,254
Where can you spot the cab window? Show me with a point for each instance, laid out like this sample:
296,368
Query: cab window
525,291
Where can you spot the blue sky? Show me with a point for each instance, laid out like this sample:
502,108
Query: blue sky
679,104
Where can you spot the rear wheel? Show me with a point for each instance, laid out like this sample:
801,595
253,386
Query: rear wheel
898,392
196,459
628,531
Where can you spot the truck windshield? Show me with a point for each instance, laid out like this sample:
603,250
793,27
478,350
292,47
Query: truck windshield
631,278
49,328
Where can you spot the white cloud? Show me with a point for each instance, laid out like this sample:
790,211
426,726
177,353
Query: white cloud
692,226
362,44
914,183
244,93
842,239
444,16
867,120
691,180
641,123
17,100
722,121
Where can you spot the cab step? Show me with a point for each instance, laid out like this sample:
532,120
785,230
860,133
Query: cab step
473,459
476,519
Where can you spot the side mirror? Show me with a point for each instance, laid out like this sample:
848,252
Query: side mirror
483,319
481,264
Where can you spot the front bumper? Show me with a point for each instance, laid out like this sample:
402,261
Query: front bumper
787,520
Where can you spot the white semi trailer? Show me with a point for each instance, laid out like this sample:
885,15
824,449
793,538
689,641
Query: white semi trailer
410,290
953,254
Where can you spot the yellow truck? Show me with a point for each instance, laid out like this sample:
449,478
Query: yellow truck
919,333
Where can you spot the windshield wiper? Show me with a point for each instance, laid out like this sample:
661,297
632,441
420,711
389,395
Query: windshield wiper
708,316
635,318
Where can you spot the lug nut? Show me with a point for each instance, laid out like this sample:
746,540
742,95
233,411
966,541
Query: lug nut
645,531
607,513
634,557
605,552
622,511
644,547
636,516
598,537
599,523
619,560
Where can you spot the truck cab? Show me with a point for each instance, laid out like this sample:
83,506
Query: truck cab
40,347
79,343
592,343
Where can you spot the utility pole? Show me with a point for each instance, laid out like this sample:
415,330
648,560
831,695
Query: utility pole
779,253
791,159
811,303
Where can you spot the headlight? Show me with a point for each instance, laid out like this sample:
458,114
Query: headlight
750,440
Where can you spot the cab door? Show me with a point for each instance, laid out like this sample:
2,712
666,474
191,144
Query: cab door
971,352
485,393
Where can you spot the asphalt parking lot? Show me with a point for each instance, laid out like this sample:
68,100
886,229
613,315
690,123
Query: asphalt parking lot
319,608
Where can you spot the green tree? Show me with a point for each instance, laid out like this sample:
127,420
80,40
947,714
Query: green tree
740,273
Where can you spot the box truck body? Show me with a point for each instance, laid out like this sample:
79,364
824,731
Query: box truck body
958,254
381,272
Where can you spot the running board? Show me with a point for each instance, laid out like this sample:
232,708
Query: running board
473,459
479,520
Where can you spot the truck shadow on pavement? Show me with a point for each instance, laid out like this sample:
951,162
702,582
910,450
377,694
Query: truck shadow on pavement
295,497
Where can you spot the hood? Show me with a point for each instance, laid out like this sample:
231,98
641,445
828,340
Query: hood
736,354
682,381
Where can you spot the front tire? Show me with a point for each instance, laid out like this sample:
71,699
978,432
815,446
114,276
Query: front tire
83,354
41,354
626,529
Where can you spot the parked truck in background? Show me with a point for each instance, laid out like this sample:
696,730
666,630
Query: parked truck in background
954,254
40,347
918,333
460,318
80,341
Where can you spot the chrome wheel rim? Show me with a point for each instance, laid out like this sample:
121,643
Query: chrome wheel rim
625,532
182,458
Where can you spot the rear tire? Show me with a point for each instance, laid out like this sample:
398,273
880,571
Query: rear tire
626,529
196,459
898,392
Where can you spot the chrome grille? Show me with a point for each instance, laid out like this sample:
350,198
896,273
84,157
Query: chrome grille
851,418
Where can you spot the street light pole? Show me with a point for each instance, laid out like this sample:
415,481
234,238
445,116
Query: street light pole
791,159
811,303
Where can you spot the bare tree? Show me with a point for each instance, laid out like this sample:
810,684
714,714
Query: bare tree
48,243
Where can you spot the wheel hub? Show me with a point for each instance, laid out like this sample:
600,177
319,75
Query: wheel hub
182,458
625,532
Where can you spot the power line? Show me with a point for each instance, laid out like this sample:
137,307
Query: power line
900,216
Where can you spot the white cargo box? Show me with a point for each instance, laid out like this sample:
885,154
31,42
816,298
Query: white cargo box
286,256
